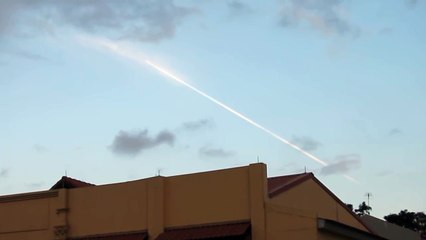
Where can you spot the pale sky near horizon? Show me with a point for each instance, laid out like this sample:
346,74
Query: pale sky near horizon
344,80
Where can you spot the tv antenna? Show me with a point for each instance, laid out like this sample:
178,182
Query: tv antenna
368,195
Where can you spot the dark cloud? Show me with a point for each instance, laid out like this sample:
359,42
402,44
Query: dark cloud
143,20
4,172
132,143
326,16
395,131
306,143
342,164
197,125
215,152
238,8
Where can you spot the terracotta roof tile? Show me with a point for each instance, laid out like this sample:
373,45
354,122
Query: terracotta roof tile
280,184
115,236
217,231
67,182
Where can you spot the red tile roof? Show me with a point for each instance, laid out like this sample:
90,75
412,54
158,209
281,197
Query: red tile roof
115,236
67,182
277,185
216,231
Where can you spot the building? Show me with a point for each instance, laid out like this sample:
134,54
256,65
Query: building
237,203
389,230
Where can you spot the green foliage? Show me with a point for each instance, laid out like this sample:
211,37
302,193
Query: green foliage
363,209
411,220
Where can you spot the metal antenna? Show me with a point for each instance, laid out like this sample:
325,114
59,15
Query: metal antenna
305,169
368,195
257,159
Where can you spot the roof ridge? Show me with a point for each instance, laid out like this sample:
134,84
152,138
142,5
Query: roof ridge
74,179
292,180
68,182
290,175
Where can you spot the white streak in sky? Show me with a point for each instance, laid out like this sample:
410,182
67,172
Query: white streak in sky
132,55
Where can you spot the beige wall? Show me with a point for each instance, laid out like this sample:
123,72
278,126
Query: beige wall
109,208
157,203
283,223
313,199
294,213
149,204
27,216
207,197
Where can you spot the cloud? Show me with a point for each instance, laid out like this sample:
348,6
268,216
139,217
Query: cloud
384,173
4,173
143,20
215,152
386,31
23,54
395,131
40,148
197,125
342,164
411,3
306,143
132,143
325,16
238,8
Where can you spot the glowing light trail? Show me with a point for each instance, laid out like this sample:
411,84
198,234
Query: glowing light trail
233,111
141,60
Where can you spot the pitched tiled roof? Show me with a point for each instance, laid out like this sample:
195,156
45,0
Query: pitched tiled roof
67,182
277,185
237,230
141,235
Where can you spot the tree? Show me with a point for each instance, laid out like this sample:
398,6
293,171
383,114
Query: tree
363,209
411,220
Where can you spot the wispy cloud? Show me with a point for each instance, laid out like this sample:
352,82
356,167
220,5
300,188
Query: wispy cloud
395,131
411,3
23,54
386,31
326,16
4,172
134,142
197,125
238,8
143,20
215,152
384,173
342,164
306,143
40,148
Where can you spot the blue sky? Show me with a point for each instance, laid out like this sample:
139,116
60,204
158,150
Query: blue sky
344,80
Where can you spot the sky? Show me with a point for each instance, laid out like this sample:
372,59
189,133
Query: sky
342,80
